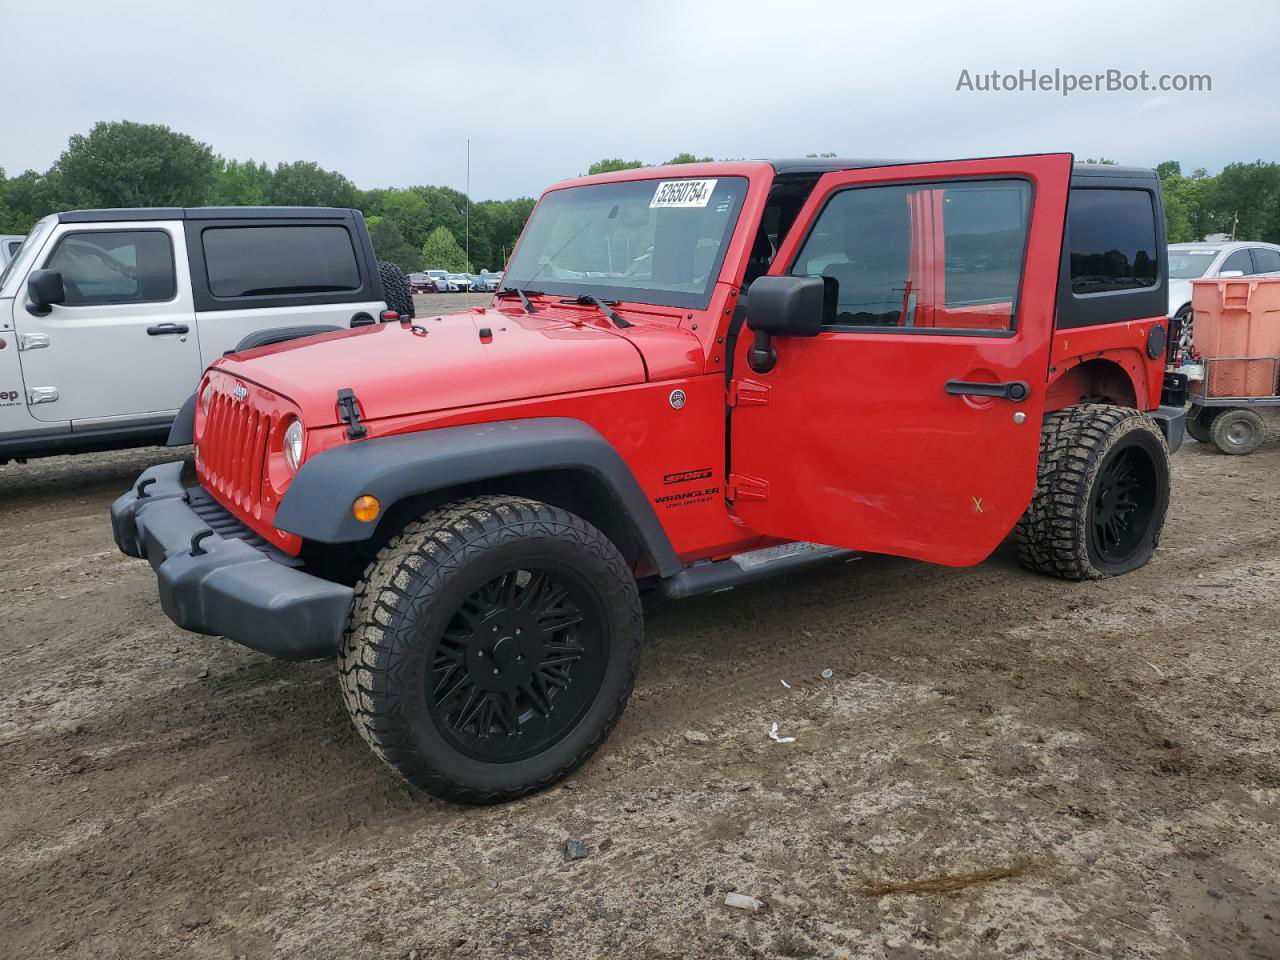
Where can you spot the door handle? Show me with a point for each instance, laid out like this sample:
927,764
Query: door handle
1015,390
167,329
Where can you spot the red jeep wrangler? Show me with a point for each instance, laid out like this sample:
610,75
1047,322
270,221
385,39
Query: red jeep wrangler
693,378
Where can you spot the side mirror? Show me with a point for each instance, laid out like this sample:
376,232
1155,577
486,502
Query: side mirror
44,289
786,307
1227,274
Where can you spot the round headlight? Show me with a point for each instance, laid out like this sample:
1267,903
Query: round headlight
293,437
206,395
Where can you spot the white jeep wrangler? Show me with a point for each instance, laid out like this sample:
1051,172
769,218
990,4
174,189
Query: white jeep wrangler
108,317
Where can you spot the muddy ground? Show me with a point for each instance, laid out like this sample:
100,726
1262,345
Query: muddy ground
1000,766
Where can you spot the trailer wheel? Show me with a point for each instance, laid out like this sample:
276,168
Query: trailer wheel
1101,494
1200,423
395,289
491,648
1237,431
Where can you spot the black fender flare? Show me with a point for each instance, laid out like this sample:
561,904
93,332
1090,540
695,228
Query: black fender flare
317,505
182,431
262,338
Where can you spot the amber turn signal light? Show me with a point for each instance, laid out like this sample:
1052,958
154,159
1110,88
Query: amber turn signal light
366,508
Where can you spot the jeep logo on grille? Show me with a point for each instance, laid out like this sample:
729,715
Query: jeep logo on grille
240,391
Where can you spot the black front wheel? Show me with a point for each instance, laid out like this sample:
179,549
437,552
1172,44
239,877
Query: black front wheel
1101,494
492,647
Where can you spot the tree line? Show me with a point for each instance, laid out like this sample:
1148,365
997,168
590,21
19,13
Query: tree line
125,164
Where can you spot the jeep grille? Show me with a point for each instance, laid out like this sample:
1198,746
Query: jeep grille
233,447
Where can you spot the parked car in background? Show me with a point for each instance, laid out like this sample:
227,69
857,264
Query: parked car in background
421,283
491,282
458,282
1195,261
442,282
9,244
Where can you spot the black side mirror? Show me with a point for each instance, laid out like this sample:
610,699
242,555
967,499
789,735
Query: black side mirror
786,307
44,289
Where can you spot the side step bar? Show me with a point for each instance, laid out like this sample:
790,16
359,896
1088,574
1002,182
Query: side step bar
710,577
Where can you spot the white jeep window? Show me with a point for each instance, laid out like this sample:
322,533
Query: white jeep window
116,266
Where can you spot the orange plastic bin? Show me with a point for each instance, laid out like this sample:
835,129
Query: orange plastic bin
1236,329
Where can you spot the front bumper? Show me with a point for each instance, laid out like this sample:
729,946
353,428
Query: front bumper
213,579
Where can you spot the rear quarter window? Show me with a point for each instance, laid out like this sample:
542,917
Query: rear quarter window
253,261
1114,256
1113,240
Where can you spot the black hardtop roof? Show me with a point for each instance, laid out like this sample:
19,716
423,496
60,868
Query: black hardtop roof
802,165
122,214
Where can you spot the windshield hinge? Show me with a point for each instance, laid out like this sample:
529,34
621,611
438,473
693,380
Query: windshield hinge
349,413
746,393
741,487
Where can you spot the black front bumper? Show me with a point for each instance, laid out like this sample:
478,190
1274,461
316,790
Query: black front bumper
218,578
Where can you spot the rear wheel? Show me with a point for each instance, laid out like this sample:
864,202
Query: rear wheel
1101,494
395,289
491,649
1237,431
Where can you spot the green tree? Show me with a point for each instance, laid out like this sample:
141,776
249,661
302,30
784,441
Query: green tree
441,252
687,158
389,244
307,184
609,166
241,184
1247,195
124,164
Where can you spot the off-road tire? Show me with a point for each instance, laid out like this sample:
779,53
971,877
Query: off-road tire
396,290
1078,446
1200,423
402,609
1236,431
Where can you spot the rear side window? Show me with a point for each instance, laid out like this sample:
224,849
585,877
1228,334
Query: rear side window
273,260
1266,260
125,266
1113,240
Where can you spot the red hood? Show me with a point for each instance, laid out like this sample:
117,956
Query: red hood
443,363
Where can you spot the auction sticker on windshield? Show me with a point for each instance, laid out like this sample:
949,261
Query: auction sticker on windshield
682,193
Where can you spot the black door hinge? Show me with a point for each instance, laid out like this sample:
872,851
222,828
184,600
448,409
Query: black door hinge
349,412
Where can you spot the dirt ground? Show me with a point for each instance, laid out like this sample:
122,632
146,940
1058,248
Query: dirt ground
1000,766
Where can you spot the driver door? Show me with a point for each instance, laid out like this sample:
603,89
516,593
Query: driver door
910,425
122,345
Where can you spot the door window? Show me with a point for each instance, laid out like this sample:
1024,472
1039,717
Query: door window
925,258
124,266
1238,261
1266,260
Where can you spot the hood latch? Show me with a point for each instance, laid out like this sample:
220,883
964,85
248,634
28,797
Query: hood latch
349,412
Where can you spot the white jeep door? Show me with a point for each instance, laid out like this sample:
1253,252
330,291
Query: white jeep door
122,345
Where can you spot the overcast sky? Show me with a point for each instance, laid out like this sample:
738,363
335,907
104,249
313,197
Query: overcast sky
388,92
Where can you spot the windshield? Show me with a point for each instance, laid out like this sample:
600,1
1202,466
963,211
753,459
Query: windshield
649,241
25,253
1189,264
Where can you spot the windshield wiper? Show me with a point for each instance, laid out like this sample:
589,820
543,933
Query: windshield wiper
587,300
522,294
